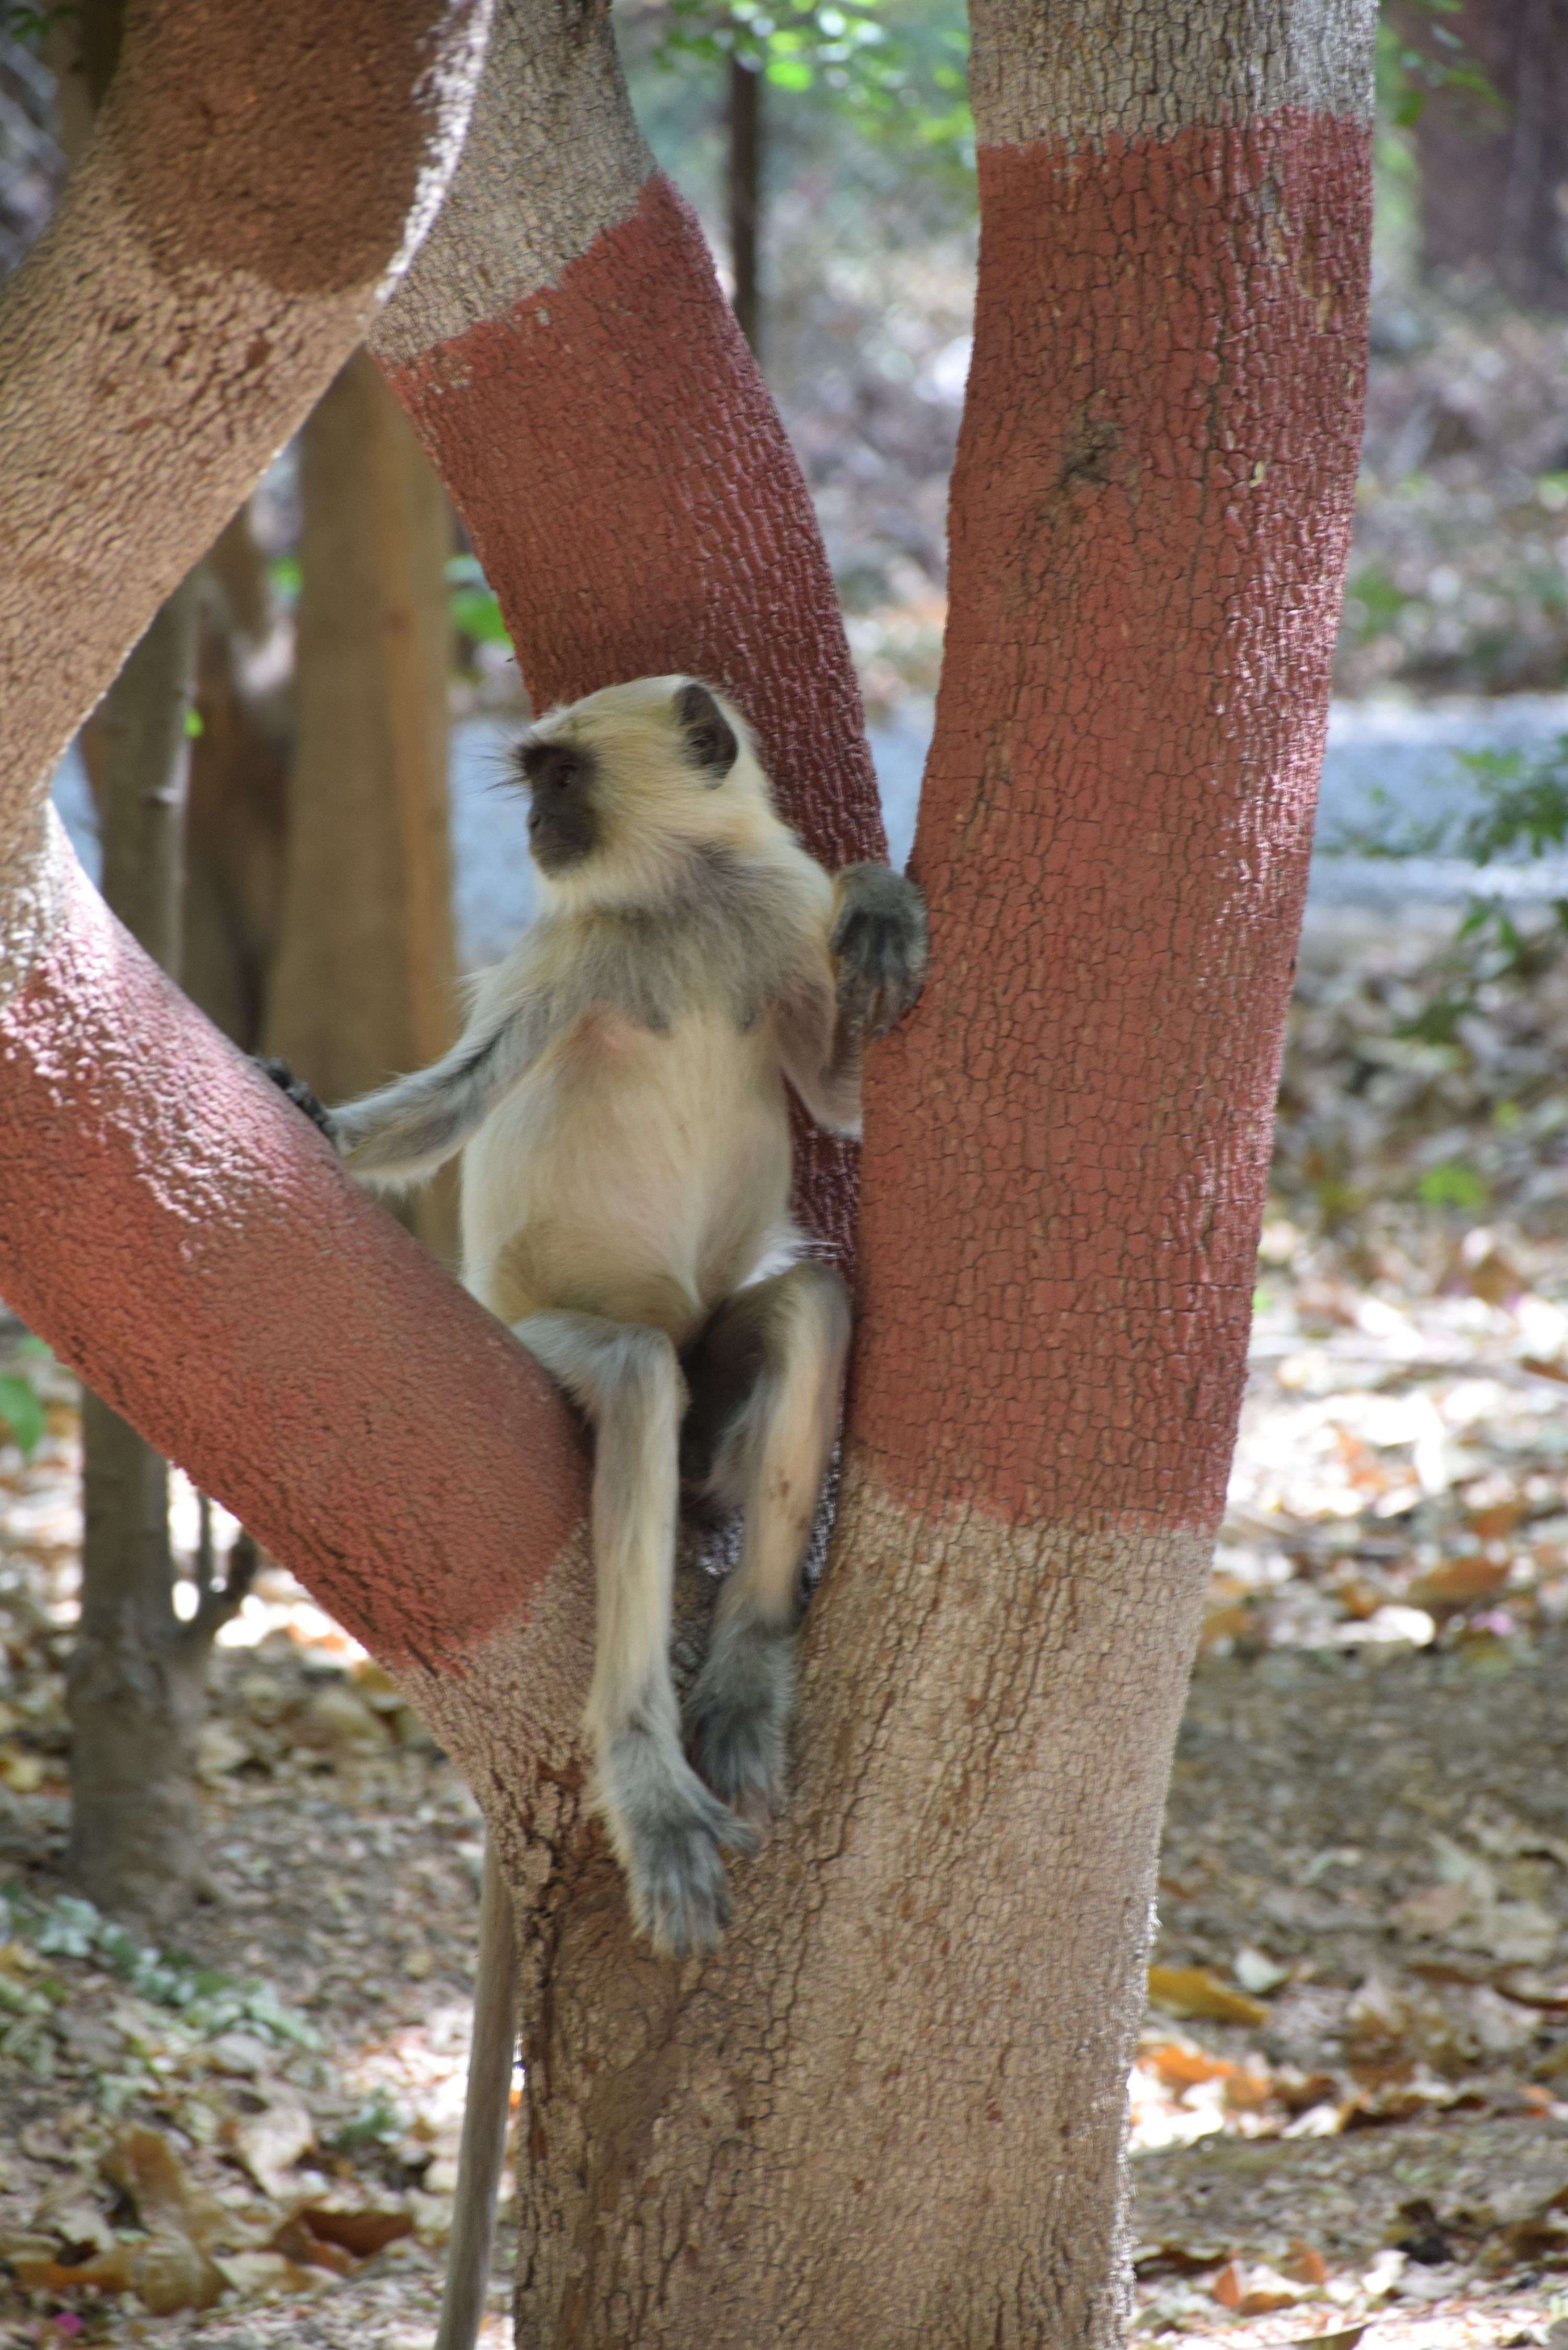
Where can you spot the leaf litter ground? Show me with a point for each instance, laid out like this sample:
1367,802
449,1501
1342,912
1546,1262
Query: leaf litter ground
1350,2102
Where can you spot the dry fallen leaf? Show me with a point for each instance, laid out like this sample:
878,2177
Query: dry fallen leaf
1459,1583
268,2144
166,2273
1193,1991
1253,2291
363,2233
145,2167
1184,2068
1305,2264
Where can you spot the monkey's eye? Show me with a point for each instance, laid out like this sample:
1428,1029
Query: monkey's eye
552,766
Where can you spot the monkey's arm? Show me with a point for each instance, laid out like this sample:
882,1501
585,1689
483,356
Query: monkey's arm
404,1131
878,951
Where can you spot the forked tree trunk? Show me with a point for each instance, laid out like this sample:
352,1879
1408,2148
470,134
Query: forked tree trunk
365,984
892,2107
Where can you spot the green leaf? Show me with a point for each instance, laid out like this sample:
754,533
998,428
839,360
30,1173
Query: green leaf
1452,1185
195,725
22,1412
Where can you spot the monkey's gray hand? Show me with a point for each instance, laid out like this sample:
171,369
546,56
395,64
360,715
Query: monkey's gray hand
299,1093
879,947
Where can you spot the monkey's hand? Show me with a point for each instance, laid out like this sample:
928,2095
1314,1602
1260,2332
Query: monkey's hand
300,1095
879,945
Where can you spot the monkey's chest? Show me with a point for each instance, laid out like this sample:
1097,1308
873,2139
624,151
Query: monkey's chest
638,1176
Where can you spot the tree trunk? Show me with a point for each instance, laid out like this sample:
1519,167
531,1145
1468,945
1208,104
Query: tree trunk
1494,176
746,196
366,977
255,178
135,1685
237,815
893,2105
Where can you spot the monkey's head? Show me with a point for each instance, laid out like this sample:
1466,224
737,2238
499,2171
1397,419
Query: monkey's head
627,785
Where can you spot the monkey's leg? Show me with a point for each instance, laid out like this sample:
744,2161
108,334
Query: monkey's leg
767,1377
668,1831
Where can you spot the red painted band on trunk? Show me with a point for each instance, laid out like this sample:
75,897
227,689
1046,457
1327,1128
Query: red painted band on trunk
381,1433
635,504
1067,1149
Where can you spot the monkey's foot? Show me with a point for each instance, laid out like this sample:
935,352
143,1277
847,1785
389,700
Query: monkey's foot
298,1093
669,1832
739,1714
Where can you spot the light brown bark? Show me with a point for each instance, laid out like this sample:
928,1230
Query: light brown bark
254,179
365,984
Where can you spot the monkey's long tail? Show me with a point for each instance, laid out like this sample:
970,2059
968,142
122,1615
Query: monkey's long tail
485,2116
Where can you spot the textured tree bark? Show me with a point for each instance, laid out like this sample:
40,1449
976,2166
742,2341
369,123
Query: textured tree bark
254,179
892,2106
566,352
1494,175
366,978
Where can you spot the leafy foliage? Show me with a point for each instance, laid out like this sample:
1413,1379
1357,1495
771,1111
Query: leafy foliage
21,1412
1407,74
1522,816
897,71
474,607
210,2001
20,1405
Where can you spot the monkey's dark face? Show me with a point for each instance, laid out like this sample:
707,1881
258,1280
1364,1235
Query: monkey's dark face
563,824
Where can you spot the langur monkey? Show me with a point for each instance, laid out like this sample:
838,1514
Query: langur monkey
619,1096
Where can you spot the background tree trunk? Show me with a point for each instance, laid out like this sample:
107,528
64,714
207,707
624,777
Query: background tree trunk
746,91
238,805
1494,177
366,978
134,1689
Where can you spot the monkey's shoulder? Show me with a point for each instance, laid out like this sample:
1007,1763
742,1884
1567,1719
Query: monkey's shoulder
732,936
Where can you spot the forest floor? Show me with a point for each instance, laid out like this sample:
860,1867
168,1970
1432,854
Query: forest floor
1350,2103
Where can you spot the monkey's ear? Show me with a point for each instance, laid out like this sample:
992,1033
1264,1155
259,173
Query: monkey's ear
711,742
